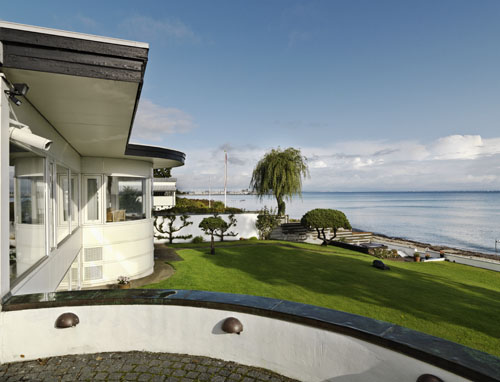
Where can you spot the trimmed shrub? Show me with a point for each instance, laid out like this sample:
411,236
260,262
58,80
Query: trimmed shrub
323,218
197,240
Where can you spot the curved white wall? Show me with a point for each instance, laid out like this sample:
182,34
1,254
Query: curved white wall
245,227
127,250
294,350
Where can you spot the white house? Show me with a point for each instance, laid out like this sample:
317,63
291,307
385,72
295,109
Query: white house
75,192
164,193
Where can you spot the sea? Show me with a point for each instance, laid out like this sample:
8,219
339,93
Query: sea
464,220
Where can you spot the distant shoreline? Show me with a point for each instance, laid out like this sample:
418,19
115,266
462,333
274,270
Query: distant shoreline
433,247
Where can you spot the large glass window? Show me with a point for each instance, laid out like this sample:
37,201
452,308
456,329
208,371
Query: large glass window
62,203
91,192
74,202
126,198
27,230
31,191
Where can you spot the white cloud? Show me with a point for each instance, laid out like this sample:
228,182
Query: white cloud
317,164
457,162
149,29
457,147
153,121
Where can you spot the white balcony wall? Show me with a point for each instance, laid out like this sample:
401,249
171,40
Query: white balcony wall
245,227
293,350
47,276
118,249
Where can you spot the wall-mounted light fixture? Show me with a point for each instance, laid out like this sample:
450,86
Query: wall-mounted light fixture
16,91
67,320
429,378
232,325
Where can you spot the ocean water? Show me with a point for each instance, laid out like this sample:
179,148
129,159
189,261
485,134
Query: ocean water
466,220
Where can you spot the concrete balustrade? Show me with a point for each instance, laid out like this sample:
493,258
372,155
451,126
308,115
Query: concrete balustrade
299,341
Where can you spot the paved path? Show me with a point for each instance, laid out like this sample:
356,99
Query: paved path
134,366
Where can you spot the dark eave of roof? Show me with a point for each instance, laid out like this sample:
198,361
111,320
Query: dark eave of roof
72,56
45,52
154,152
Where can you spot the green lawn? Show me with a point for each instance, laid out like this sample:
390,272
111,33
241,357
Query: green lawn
452,301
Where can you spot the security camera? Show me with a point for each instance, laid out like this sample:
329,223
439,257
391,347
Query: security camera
17,90
23,135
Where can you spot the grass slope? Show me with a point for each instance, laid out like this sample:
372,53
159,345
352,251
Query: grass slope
452,301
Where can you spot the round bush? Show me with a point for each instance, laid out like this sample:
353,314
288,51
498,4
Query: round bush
197,240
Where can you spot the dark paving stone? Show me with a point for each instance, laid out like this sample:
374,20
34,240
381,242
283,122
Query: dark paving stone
134,366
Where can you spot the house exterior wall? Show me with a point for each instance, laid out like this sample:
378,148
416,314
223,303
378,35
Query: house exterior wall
4,190
127,247
116,167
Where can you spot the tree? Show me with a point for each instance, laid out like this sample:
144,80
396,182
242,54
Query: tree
321,219
221,232
169,231
280,172
210,225
267,220
161,173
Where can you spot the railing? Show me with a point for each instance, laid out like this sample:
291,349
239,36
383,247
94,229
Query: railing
300,341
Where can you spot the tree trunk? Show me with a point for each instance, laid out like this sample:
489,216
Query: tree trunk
281,205
325,241
212,246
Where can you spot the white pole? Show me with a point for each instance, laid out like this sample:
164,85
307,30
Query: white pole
225,178
209,190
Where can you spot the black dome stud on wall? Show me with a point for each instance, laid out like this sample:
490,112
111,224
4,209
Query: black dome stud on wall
429,378
232,325
67,320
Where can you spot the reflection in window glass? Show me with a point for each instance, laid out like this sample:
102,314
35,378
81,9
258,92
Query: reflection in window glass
27,230
126,198
31,196
92,199
74,202
62,203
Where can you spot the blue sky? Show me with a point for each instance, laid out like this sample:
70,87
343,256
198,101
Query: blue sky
379,95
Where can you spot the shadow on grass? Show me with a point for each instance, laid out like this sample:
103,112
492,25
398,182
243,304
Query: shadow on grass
434,297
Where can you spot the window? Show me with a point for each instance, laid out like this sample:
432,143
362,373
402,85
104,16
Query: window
63,215
27,215
126,198
75,221
91,198
31,197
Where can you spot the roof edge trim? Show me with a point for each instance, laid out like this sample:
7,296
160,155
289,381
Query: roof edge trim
154,152
78,35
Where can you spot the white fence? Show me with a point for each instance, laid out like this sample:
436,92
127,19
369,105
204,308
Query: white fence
245,227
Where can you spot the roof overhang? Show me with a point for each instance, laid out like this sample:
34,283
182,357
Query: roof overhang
87,87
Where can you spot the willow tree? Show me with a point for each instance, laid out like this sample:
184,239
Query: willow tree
280,173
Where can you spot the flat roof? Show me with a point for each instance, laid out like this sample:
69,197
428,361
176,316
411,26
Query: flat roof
82,36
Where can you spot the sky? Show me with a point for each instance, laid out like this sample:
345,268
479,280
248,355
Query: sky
378,95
